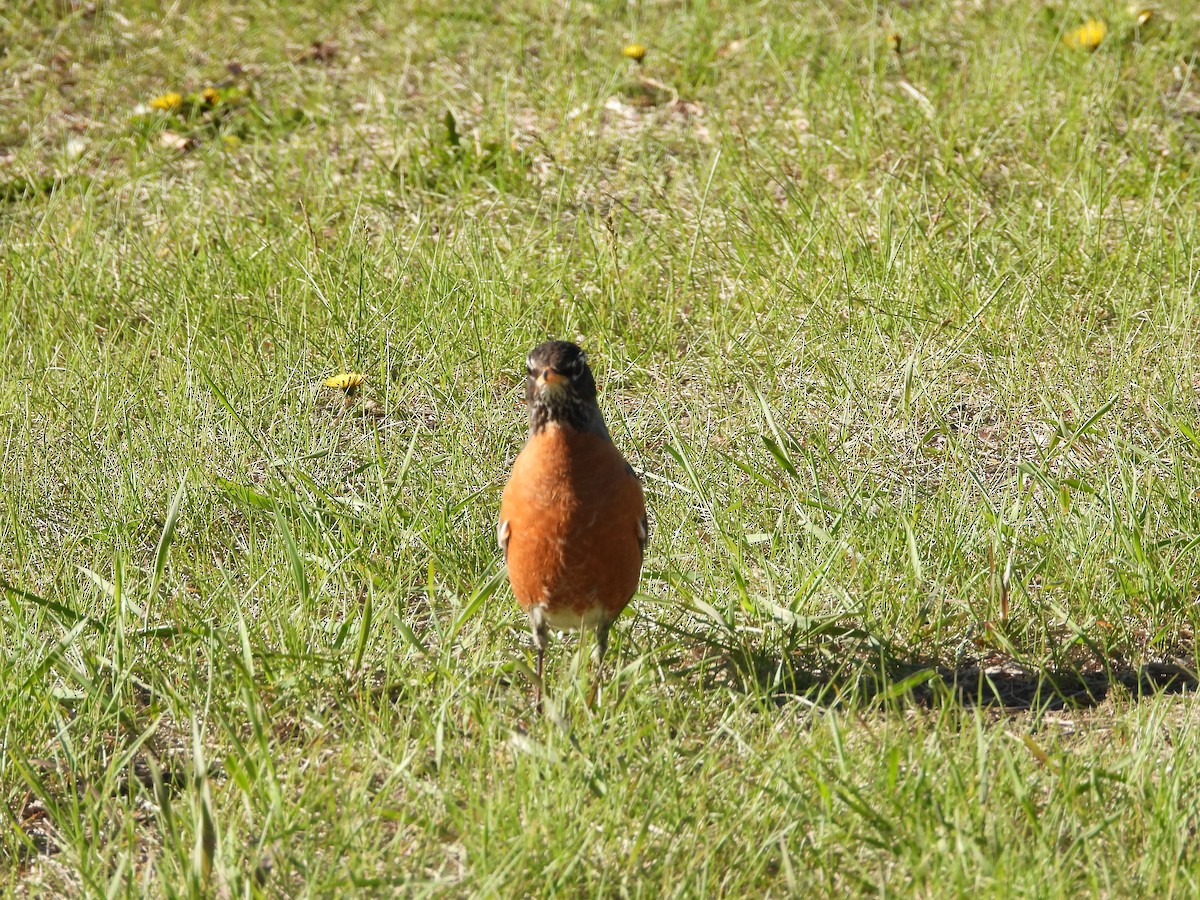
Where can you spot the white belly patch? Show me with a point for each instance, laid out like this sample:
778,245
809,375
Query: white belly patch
567,620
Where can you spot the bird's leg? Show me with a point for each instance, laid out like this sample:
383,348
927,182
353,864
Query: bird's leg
537,624
598,652
537,686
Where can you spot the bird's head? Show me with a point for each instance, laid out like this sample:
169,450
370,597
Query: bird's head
559,388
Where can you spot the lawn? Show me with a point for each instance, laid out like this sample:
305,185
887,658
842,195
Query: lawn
893,307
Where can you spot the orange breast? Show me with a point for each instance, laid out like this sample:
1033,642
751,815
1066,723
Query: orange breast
573,510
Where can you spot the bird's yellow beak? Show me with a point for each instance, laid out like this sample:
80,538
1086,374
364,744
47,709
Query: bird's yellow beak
549,380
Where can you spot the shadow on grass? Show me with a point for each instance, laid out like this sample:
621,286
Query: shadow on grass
21,188
871,678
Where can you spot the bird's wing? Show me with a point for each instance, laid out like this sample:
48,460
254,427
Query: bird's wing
643,525
503,533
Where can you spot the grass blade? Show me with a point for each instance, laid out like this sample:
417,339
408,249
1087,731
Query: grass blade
164,546
293,555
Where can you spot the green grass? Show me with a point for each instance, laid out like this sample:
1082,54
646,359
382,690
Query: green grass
905,346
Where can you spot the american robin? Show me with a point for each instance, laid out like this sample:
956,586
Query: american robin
572,518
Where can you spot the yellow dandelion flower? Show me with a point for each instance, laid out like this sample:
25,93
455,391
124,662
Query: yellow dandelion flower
168,101
1087,36
210,95
346,381
1142,15
636,52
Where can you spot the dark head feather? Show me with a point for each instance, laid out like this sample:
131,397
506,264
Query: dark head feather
559,388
